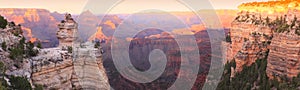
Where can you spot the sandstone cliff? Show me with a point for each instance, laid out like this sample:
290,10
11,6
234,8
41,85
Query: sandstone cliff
248,43
284,56
261,29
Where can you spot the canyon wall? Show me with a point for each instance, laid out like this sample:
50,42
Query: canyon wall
284,56
248,43
261,30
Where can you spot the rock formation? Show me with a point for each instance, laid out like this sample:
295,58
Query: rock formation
10,35
66,33
88,68
71,65
14,63
53,68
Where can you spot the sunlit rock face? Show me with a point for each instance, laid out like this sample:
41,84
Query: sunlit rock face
270,7
267,28
248,43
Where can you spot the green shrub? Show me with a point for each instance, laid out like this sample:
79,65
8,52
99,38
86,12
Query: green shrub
4,46
70,49
255,75
3,84
16,53
3,22
19,83
38,87
22,50
228,38
2,68
30,51
97,45
39,45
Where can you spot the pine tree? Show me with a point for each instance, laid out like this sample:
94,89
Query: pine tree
293,22
19,83
267,20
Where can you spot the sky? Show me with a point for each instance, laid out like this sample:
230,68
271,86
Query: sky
126,6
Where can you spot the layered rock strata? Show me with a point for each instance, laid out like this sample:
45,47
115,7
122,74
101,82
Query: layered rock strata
71,65
262,29
66,33
284,56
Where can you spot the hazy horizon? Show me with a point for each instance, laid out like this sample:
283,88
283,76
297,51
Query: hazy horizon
125,7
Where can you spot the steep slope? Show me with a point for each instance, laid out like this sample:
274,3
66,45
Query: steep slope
271,30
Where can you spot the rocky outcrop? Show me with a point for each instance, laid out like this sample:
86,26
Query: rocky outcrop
71,65
66,33
88,68
53,68
14,63
9,37
58,69
11,34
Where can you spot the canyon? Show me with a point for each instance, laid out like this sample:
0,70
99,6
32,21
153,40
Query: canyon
40,24
258,31
65,62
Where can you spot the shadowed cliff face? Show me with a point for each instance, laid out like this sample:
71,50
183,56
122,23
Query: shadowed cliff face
146,41
139,50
